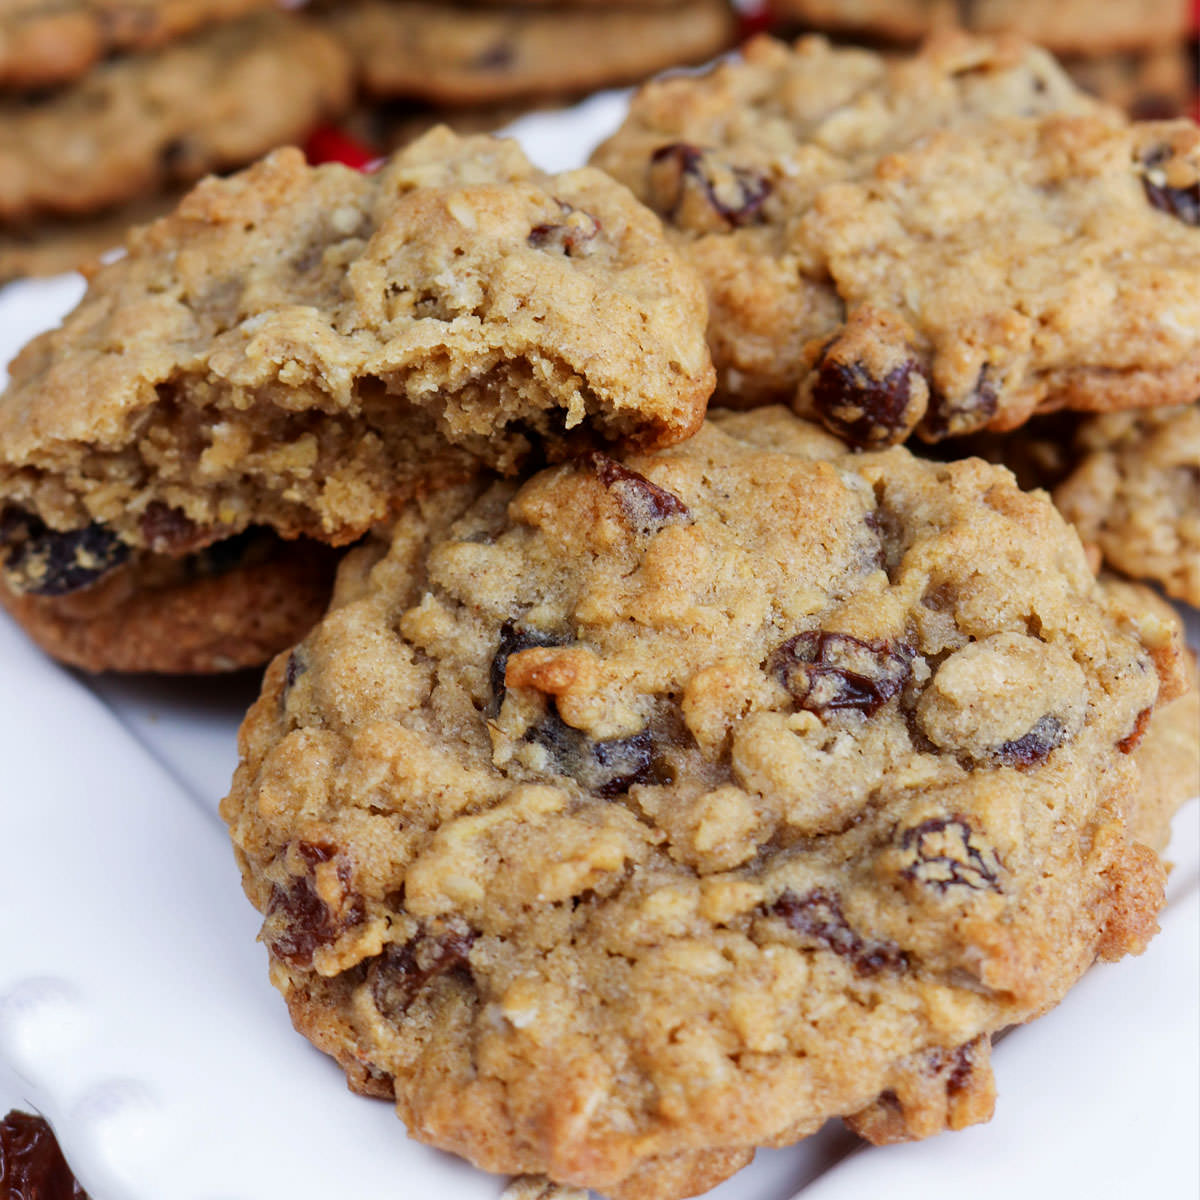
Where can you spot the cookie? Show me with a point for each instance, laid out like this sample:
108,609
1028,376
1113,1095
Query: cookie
48,42
667,805
53,245
1069,26
1168,757
942,243
138,125
451,54
232,605
305,348
1134,494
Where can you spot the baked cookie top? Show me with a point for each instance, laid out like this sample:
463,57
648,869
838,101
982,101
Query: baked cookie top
1066,27
46,42
1134,494
943,243
306,347
215,100
456,54
667,805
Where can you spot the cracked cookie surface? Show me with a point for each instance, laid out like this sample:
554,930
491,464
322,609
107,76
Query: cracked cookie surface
668,804
941,243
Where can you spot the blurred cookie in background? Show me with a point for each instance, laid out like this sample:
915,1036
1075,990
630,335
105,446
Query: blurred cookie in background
1067,27
47,42
137,125
455,54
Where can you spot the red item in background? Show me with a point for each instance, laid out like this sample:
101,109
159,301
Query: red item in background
327,144
32,1166
759,19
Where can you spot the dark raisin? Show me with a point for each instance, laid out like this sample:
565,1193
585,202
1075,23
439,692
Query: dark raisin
570,236
947,418
865,411
499,56
166,530
1035,746
1180,202
401,973
1129,743
946,852
817,915
296,666
607,768
32,1166
646,506
827,672
47,562
175,155
514,638
692,186
305,922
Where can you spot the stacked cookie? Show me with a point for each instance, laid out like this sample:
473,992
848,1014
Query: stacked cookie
478,65
657,786
1132,53
108,106
949,243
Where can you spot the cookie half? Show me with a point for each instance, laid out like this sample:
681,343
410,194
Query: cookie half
940,244
305,349
456,54
669,804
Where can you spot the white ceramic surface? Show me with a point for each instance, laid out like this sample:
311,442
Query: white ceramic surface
135,1011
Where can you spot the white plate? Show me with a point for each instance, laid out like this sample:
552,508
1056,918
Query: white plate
135,1011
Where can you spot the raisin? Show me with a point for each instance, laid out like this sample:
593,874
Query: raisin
47,562
646,506
1035,746
513,638
608,768
178,157
307,921
499,56
946,852
947,418
571,236
697,189
866,411
817,915
168,531
401,973
1180,202
296,666
827,672
32,1166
